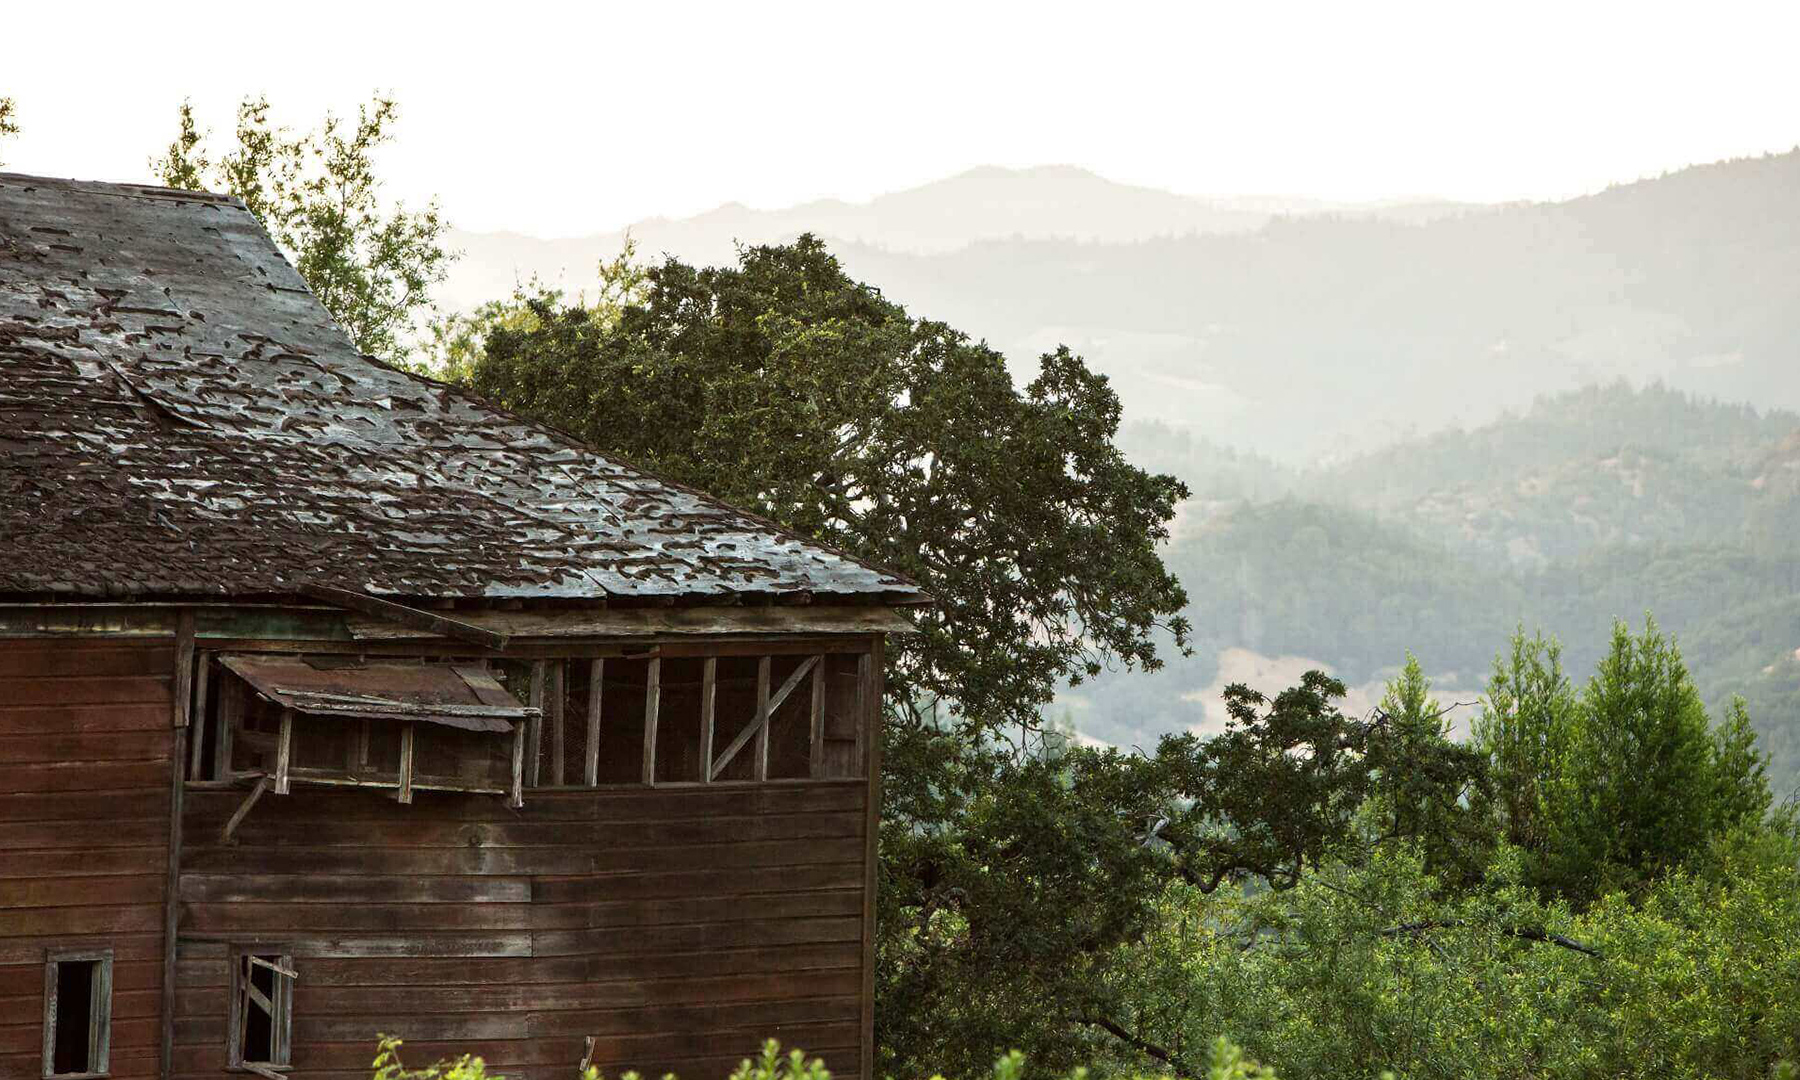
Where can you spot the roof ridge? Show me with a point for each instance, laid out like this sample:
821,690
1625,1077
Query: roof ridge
123,189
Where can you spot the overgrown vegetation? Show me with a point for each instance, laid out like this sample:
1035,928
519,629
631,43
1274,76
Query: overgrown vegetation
1224,1061
1595,884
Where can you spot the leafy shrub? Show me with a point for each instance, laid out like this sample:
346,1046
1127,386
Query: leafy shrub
1224,1061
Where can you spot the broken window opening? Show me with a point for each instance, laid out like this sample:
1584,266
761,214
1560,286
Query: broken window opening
77,1014
702,716
341,721
262,1007
622,720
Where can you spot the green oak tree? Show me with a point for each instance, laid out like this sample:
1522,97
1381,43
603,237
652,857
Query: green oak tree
783,385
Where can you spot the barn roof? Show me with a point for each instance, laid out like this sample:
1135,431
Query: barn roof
180,416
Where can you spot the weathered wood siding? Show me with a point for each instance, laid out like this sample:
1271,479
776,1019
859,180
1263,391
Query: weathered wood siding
85,739
677,926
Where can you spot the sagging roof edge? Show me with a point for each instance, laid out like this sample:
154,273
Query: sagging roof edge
575,440
314,621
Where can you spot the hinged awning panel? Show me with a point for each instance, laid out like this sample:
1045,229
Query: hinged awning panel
455,695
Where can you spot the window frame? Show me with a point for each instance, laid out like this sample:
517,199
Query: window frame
99,1012
281,1020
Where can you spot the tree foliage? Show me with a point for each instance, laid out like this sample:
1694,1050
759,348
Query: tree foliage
1343,894
319,196
784,386
1614,787
9,123
1005,906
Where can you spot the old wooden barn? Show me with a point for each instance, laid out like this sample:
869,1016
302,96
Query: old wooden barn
334,701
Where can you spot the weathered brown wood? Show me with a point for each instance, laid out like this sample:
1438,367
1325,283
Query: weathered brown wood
75,776
534,737
868,697
197,741
709,696
99,1010
759,766
171,884
96,690
284,751
816,757
18,720
516,796
87,659
92,753
405,794
429,621
596,680
758,727
642,917
243,810
231,714
558,692
181,695
652,707
654,622
872,668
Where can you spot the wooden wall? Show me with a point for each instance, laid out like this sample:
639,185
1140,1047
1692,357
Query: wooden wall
85,738
677,926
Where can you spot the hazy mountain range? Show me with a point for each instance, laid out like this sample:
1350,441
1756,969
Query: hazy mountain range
1303,330
1593,505
1048,202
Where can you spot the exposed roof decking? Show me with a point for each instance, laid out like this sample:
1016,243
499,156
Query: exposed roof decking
178,415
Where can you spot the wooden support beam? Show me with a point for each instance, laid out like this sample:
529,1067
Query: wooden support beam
257,961
183,690
596,680
284,751
760,723
178,762
558,691
405,794
388,611
197,718
759,761
517,798
868,701
534,737
356,749
652,706
816,757
243,810
709,697
868,727
231,714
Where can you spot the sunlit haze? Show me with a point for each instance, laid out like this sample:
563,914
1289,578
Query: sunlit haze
562,120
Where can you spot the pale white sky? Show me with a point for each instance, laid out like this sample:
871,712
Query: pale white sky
561,120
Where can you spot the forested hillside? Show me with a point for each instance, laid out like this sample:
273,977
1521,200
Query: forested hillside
1318,337
1593,505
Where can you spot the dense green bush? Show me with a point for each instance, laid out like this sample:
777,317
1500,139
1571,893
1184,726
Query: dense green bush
1224,1061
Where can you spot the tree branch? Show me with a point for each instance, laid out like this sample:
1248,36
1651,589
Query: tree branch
1143,1046
1524,933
